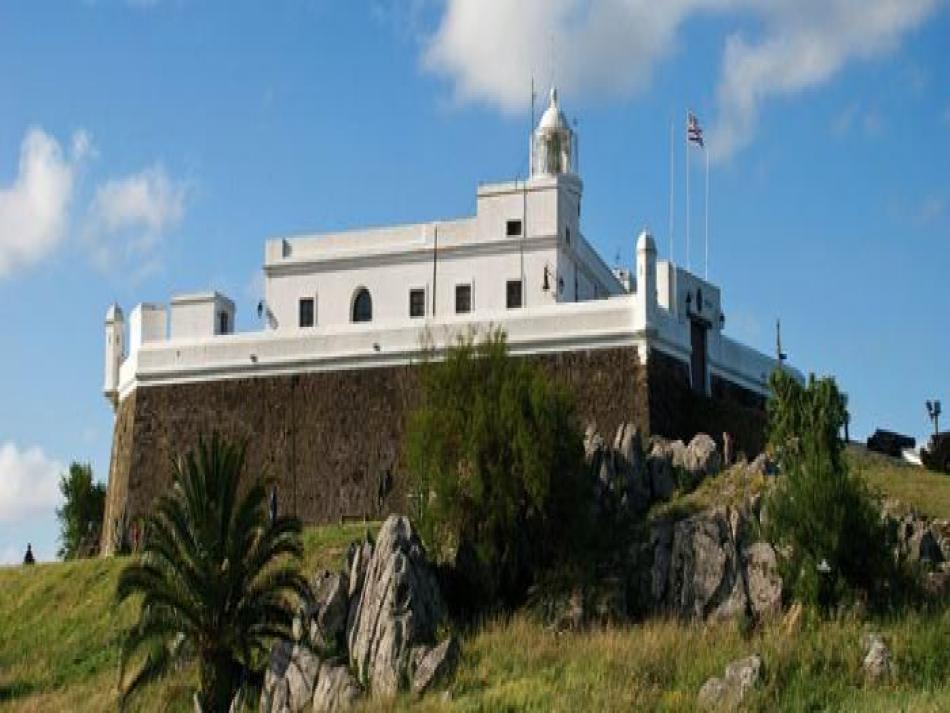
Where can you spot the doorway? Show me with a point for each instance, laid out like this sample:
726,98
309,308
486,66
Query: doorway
698,357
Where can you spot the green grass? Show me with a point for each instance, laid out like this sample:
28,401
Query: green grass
921,489
60,632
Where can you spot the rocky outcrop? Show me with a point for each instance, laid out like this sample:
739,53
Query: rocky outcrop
633,477
727,693
702,457
399,606
705,566
923,543
369,628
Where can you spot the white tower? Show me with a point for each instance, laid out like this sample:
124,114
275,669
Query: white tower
115,351
646,275
552,146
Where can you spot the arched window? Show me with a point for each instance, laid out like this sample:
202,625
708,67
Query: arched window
362,306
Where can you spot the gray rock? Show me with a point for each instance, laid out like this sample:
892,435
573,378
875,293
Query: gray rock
728,692
436,665
660,469
289,679
877,658
300,676
399,607
329,610
702,457
336,690
275,693
705,578
763,580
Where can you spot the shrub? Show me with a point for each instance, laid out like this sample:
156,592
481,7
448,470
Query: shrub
823,519
495,458
80,517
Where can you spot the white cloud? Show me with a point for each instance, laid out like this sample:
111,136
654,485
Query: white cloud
490,49
805,43
34,209
129,217
29,483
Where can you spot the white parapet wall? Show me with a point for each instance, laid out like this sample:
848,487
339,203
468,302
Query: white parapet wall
614,322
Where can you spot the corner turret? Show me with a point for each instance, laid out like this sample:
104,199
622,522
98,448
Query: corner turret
115,352
646,274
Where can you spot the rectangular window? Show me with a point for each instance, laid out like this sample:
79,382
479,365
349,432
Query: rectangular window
513,228
463,299
417,303
306,312
223,326
513,294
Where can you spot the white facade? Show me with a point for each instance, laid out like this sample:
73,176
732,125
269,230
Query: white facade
375,297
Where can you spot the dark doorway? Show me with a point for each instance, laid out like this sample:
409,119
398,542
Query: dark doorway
698,357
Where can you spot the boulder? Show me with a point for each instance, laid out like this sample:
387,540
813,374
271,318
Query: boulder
762,580
705,577
660,464
877,658
335,690
435,666
399,607
702,457
329,610
289,680
728,692
630,465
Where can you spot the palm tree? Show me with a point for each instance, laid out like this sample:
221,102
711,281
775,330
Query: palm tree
217,577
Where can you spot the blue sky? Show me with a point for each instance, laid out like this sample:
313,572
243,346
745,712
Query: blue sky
151,146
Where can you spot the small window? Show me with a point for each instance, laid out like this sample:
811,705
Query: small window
417,303
513,228
223,323
306,312
362,306
513,294
567,235
463,299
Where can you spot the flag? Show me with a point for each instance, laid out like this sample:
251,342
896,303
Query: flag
694,132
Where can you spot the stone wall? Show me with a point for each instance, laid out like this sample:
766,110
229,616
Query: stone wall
676,411
327,438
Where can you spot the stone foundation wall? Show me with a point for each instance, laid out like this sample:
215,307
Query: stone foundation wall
327,438
676,411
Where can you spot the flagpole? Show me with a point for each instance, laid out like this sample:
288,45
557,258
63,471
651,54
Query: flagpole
672,134
706,268
687,193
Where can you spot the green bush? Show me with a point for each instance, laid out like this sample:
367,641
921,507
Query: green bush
495,458
80,517
824,520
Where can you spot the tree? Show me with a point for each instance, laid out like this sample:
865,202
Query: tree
217,577
495,459
822,517
80,517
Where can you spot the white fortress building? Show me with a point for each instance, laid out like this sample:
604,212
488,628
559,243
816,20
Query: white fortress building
366,297
361,300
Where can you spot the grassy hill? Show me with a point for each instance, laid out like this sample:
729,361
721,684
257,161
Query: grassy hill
59,637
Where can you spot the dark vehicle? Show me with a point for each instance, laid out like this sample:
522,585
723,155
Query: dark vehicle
890,443
937,454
